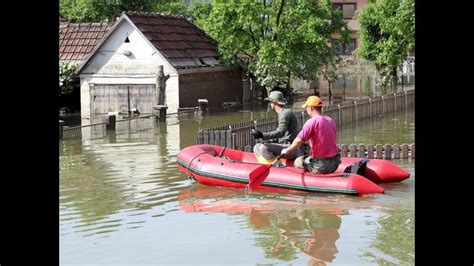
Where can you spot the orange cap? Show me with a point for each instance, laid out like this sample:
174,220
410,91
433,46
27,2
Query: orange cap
313,101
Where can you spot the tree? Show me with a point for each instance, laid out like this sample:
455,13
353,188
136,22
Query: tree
66,69
173,8
387,29
199,13
100,10
276,39
196,11
356,68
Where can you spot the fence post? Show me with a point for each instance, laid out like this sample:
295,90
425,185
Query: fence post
406,102
202,103
388,151
339,115
234,141
61,125
159,111
404,151
370,108
343,150
361,151
353,150
229,138
412,146
379,151
111,119
223,141
394,103
206,137
198,137
217,137
370,151
383,106
396,151
253,141
355,117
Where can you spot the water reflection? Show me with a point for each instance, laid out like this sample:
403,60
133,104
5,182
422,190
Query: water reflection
392,128
395,231
120,176
127,187
286,225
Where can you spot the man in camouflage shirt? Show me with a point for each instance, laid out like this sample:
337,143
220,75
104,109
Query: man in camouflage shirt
286,131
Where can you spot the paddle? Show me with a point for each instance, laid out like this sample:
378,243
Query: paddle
257,176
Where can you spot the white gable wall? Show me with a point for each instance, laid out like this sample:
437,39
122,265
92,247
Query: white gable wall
110,66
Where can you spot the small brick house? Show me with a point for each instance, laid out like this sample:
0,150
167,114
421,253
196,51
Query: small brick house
119,74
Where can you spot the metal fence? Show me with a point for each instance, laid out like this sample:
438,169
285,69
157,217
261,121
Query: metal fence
236,136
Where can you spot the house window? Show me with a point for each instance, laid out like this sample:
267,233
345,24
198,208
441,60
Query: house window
349,82
344,48
348,9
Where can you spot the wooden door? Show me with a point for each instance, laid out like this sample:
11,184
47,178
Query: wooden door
122,98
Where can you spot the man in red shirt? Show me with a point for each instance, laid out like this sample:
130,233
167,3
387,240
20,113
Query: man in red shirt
321,132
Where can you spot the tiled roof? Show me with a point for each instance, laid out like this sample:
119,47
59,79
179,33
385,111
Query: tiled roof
76,40
182,43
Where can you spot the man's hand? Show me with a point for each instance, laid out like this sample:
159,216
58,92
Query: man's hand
284,151
256,133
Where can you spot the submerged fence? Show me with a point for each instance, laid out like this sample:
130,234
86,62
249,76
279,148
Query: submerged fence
95,131
237,136
108,126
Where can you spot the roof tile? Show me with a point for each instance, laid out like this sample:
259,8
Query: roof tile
78,39
176,38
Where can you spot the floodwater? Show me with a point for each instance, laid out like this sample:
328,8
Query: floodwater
123,201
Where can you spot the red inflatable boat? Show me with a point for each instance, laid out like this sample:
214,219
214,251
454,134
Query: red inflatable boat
218,166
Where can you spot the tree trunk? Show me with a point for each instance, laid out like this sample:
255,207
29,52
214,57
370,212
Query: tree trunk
161,86
316,87
330,93
344,89
394,80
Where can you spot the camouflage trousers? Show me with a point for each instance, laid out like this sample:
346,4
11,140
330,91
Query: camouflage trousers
318,165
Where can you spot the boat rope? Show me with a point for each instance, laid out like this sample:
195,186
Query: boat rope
189,164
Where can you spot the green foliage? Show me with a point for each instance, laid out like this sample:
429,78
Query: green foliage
100,10
276,39
173,8
199,12
66,69
387,34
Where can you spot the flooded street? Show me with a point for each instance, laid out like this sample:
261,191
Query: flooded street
124,201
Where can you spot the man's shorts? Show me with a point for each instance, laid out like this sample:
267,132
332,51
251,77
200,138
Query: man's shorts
318,165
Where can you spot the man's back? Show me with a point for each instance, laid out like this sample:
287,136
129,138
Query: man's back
287,129
321,132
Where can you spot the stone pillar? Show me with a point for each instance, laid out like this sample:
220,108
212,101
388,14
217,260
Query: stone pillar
160,112
111,118
203,103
